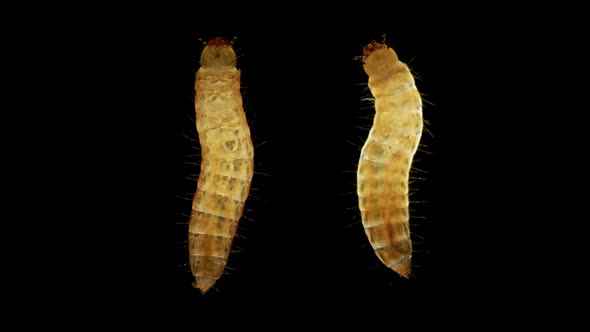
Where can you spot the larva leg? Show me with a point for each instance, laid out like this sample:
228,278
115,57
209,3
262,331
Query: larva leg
227,163
386,157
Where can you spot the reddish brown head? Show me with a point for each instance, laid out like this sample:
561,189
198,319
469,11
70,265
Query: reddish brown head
218,42
372,47
218,53
377,58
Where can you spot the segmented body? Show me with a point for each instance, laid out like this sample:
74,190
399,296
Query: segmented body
226,166
386,157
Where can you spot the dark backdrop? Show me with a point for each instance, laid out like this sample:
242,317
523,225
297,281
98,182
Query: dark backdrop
97,139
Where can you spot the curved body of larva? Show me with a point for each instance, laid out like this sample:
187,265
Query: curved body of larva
226,166
386,157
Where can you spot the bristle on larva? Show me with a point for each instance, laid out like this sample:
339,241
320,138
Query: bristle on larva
386,157
227,163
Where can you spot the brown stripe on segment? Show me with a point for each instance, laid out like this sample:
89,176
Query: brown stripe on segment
207,223
375,221
388,230
218,204
395,215
380,200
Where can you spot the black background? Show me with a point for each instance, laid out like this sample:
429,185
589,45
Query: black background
97,139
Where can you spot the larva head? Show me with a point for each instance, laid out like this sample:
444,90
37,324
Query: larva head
218,53
377,56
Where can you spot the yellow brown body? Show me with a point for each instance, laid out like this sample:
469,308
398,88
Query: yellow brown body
226,166
386,157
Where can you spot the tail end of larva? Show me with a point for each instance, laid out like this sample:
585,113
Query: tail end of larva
204,284
403,267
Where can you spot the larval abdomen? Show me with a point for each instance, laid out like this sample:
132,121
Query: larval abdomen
386,157
226,166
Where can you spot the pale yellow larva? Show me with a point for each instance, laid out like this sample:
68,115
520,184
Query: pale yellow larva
226,166
386,157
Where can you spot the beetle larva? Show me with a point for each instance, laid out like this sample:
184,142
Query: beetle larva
386,157
226,166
